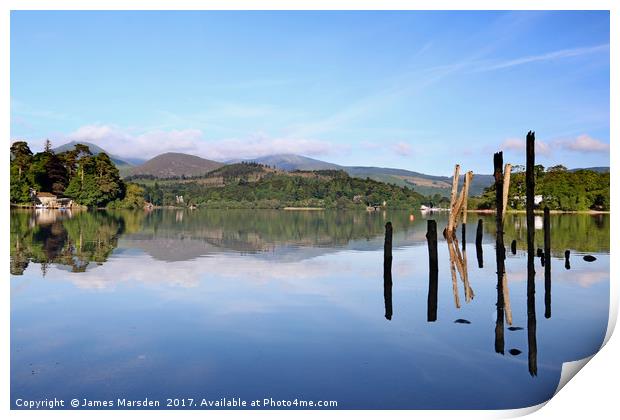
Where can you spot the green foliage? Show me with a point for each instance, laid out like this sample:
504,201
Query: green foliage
560,189
328,189
134,198
89,180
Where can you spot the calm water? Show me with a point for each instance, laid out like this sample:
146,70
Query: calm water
259,304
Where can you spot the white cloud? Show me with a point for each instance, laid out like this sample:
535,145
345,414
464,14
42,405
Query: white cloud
585,143
151,143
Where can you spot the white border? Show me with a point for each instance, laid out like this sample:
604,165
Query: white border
593,394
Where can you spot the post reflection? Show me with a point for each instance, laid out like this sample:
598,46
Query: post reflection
433,272
387,271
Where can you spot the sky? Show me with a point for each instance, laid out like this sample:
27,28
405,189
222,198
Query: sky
417,90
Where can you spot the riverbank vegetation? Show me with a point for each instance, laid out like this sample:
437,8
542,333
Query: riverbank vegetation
87,179
256,186
558,188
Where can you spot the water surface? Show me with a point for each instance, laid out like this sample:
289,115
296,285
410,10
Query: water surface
259,304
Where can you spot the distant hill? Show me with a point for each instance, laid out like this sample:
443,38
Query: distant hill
121,163
169,165
599,169
422,183
291,162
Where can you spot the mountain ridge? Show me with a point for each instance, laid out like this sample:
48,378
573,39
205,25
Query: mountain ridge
172,164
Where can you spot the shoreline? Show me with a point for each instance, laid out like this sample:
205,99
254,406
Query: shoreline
542,211
289,208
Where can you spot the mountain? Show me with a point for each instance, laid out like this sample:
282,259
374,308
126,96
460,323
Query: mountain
170,165
422,183
121,163
291,162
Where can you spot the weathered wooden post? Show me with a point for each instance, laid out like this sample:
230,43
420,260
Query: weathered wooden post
547,230
387,271
387,244
479,244
498,161
467,181
530,184
455,185
499,251
505,189
567,259
433,273
513,247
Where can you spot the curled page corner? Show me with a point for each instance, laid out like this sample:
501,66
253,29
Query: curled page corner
570,369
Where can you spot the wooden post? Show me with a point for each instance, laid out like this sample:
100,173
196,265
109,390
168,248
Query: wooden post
479,244
455,185
567,259
498,161
433,272
547,231
387,245
499,251
506,188
513,247
530,184
466,183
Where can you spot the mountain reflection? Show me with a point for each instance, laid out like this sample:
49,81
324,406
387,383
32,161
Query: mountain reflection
77,239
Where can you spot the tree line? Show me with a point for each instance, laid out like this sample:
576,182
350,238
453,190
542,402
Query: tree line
559,188
89,180
327,189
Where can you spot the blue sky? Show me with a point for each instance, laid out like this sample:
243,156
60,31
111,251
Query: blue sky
414,90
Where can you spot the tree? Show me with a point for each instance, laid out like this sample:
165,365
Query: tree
21,157
97,181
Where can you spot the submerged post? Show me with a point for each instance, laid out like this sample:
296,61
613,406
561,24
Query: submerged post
433,272
498,161
547,230
567,259
479,244
530,183
513,247
499,251
387,244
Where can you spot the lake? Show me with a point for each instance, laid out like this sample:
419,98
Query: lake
293,305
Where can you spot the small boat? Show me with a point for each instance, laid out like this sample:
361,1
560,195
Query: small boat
427,209
39,206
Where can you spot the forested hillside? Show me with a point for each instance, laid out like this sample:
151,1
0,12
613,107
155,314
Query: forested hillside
561,189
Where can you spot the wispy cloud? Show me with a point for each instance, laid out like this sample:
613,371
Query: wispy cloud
147,144
550,56
584,143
